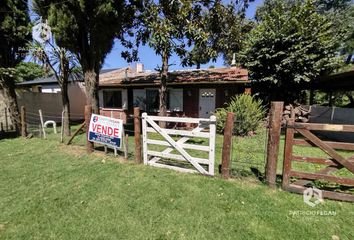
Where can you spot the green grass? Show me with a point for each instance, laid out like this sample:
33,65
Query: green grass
52,191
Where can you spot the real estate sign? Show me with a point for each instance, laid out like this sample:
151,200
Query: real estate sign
105,130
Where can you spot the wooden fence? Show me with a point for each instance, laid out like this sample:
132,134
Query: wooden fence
205,129
307,134
335,161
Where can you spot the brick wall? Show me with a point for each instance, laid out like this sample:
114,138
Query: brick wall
115,113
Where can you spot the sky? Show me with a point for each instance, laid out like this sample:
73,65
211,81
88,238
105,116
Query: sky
150,60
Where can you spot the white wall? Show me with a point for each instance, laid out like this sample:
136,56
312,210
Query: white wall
51,103
52,88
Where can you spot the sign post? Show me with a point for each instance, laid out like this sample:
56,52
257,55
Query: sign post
106,130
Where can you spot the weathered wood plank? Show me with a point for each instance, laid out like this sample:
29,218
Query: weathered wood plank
325,127
335,145
76,132
316,160
315,176
288,150
276,112
137,136
326,194
330,151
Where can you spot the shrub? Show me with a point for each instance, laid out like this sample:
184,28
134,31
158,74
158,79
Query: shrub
249,114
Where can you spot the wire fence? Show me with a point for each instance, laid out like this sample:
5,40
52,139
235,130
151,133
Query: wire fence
6,124
248,153
248,156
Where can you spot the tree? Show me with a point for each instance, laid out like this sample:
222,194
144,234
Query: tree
341,13
62,63
292,44
26,71
349,43
87,28
15,31
226,27
166,27
229,27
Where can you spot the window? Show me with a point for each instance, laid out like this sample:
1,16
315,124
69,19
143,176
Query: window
112,99
149,99
139,98
175,97
152,100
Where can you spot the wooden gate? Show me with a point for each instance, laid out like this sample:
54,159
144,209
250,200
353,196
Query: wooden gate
177,141
296,181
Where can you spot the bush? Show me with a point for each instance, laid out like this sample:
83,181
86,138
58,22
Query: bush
249,114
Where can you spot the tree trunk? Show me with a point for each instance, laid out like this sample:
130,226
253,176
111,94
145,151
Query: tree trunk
66,109
198,65
163,88
163,85
7,84
91,84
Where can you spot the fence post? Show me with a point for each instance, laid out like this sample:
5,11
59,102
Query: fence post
288,149
6,120
126,146
23,122
226,148
88,112
137,134
275,117
42,122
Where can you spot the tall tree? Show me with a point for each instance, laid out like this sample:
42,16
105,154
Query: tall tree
15,31
87,28
349,42
166,27
291,44
226,26
62,63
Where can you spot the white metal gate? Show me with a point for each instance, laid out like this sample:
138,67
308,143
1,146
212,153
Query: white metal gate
205,129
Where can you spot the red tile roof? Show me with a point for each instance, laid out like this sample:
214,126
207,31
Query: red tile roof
125,77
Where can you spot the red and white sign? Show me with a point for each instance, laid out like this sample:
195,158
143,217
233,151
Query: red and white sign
106,130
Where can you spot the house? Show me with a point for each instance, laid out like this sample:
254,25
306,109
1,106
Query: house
44,93
191,93
342,82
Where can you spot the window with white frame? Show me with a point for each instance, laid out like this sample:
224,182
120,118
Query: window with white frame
149,99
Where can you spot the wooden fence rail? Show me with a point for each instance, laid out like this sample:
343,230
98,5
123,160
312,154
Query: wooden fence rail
334,162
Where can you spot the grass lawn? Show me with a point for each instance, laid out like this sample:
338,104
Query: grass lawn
52,191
